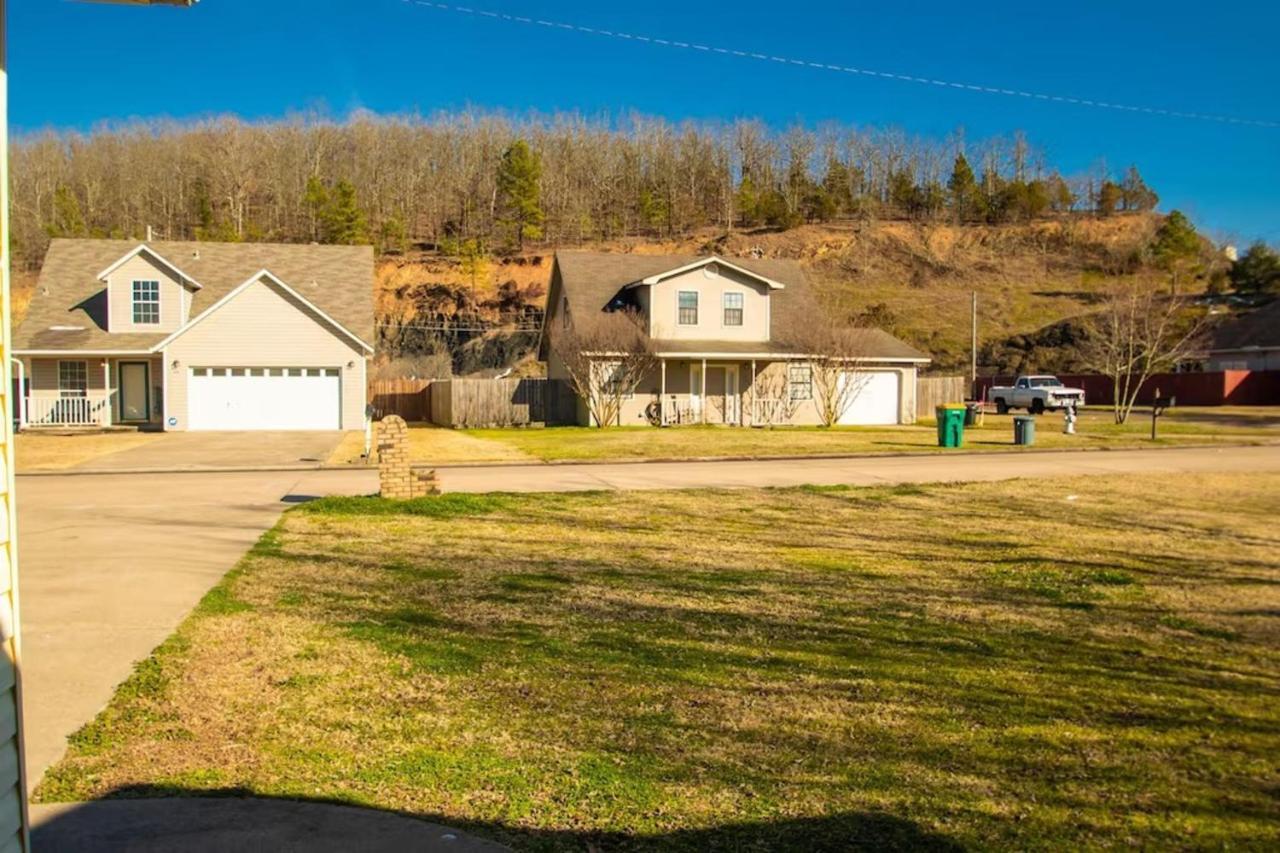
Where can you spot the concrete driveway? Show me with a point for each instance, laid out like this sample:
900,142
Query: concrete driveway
195,451
111,563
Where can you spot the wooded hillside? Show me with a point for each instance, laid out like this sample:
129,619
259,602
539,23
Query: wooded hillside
466,209
493,184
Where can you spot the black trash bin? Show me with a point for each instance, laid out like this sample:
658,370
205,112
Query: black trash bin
971,413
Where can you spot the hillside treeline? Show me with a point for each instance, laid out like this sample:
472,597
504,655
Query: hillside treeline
492,181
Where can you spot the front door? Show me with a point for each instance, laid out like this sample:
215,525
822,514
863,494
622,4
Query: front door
135,391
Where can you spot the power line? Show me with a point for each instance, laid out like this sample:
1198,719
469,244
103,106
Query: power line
845,69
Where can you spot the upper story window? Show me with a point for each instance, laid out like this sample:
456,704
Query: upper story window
733,309
146,302
688,308
73,379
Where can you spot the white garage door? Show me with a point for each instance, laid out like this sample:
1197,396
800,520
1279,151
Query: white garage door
245,398
877,397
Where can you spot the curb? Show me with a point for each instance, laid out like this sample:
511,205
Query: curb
540,463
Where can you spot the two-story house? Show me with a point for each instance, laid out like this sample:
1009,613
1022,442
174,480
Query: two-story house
197,336
715,324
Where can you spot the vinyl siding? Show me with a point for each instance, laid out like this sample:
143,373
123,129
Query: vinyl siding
662,304
262,326
174,298
805,414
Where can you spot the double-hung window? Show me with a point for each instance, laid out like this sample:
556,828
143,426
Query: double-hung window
733,309
688,308
73,379
146,302
800,381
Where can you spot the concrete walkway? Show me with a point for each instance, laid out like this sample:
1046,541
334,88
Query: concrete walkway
861,471
211,451
112,563
216,825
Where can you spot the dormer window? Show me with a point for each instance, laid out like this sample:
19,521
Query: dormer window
688,313
146,302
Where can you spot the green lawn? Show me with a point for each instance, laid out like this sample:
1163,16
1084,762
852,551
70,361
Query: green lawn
1071,664
1097,429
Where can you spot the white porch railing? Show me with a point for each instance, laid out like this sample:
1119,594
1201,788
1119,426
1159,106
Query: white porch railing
52,410
769,411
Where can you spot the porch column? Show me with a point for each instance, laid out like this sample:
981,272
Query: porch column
104,417
702,393
753,392
662,394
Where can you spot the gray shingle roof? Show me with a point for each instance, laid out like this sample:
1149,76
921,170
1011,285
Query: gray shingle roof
336,279
590,280
1258,328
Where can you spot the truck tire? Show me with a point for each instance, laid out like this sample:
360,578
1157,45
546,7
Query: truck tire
1002,408
1037,406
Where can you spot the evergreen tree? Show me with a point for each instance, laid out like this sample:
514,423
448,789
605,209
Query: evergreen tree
747,202
1176,245
68,221
202,209
315,200
1061,198
838,186
1109,197
342,221
902,192
962,189
1135,194
520,194
1257,270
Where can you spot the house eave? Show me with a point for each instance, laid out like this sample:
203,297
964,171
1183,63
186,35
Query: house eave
702,262
143,247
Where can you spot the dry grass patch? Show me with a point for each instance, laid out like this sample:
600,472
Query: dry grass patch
1071,664
436,445
37,452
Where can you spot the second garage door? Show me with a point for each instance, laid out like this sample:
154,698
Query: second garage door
877,400
264,398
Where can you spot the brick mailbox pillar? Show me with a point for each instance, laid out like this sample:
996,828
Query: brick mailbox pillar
396,477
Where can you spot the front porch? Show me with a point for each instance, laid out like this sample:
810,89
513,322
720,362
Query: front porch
89,391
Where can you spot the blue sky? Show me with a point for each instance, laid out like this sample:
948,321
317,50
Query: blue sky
75,64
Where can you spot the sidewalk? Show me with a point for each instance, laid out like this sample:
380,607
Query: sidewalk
853,471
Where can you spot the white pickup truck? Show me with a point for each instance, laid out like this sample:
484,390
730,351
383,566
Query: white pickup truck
1035,394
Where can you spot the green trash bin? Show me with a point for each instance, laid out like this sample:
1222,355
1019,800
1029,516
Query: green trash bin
950,425
1024,430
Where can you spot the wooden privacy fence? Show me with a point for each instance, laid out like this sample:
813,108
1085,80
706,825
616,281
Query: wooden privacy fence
933,391
408,398
502,402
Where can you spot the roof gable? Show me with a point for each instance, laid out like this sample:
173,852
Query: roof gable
706,262
336,280
266,277
143,248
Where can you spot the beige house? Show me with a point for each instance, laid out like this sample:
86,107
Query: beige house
197,336
714,323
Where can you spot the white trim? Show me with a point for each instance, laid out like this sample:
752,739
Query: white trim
254,279
164,391
143,247
782,356
711,259
45,352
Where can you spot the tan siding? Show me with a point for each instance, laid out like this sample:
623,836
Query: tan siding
173,297
806,411
264,327
44,373
663,304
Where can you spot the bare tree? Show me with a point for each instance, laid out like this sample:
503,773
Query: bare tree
771,400
1138,333
835,353
606,356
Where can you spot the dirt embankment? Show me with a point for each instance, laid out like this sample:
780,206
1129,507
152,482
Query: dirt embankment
916,280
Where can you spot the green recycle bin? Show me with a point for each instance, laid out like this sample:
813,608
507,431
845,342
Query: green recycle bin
1024,430
950,426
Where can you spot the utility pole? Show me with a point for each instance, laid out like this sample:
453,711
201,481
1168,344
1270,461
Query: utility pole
14,815
973,349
